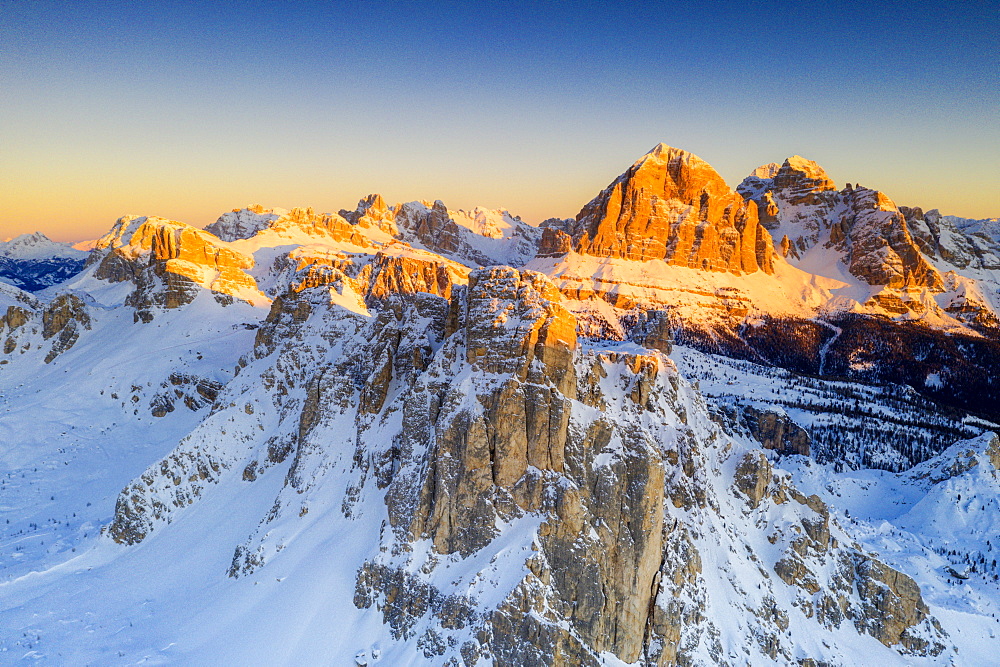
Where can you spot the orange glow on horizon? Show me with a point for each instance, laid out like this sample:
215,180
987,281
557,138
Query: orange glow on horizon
75,209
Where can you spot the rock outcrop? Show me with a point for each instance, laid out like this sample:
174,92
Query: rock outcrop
372,211
168,262
882,251
63,319
838,583
776,431
52,327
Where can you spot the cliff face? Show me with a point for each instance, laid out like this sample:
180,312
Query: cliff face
542,501
803,206
169,262
882,250
28,324
674,206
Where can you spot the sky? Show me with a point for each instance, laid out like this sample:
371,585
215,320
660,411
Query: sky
189,109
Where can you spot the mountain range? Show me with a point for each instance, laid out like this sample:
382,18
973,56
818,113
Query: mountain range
34,262
689,426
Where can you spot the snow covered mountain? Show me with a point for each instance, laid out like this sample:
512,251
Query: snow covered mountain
410,434
34,262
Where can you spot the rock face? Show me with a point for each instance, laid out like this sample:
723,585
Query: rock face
803,206
964,243
500,448
63,319
799,180
19,308
479,237
474,424
52,327
776,431
674,206
169,261
838,583
882,251
372,211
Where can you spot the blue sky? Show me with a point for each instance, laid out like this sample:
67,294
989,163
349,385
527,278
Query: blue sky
187,110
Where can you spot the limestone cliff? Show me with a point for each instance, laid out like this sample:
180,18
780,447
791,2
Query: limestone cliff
541,500
805,209
673,205
169,262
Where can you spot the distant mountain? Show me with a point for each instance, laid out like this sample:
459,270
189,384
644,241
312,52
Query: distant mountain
689,426
34,262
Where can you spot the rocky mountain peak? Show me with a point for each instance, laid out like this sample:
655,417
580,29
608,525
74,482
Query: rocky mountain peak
797,180
243,223
682,173
801,180
23,241
169,261
373,201
674,206
372,211
769,170
759,181
120,232
37,246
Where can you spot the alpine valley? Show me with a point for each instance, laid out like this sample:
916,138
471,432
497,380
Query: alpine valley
691,426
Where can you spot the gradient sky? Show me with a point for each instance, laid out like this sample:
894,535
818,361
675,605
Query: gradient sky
190,109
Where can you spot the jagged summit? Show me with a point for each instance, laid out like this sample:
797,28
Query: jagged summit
797,177
801,179
766,170
681,168
804,165
815,222
671,155
674,206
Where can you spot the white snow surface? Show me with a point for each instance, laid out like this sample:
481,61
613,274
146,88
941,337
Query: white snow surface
71,596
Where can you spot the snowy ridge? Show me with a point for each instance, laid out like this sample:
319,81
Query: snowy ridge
240,448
